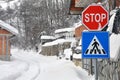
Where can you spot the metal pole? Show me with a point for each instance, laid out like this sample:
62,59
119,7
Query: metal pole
82,63
96,70
90,69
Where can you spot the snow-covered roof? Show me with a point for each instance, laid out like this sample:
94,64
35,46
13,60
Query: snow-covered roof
47,37
115,47
8,27
54,42
64,30
76,25
58,41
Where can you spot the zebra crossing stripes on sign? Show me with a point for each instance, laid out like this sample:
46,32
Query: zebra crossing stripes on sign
95,45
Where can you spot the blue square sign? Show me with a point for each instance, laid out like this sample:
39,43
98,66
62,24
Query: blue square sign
95,44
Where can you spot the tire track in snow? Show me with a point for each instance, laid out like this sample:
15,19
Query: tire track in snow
31,74
33,70
12,71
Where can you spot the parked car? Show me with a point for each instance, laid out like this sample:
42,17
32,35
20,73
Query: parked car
78,50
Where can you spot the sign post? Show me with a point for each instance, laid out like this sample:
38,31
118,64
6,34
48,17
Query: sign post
95,44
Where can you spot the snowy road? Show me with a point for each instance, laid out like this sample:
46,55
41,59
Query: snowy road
28,65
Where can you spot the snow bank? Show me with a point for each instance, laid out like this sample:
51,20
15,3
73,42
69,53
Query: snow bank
115,47
67,53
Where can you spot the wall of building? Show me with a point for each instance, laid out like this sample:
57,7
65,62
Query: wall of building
3,44
118,3
3,31
78,31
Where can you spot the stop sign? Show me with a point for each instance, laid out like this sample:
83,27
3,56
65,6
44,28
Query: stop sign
95,17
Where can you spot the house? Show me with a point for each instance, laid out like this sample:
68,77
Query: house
56,45
118,3
6,32
66,33
46,38
78,31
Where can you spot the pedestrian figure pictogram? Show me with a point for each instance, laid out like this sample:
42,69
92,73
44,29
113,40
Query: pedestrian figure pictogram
95,45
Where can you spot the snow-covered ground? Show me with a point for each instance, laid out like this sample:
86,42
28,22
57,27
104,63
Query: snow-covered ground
28,65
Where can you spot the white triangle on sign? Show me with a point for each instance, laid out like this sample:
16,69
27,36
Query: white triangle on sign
95,48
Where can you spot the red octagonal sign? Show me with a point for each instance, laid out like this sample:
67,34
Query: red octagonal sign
95,17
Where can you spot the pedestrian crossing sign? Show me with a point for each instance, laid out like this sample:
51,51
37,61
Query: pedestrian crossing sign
95,44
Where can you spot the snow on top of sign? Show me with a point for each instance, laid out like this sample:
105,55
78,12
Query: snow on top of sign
47,37
64,30
115,47
8,27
